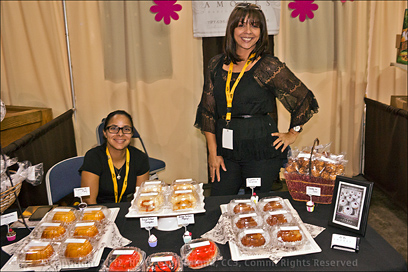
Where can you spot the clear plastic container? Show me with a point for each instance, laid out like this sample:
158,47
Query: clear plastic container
184,184
150,186
246,221
37,253
279,217
272,203
163,261
240,206
288,235
184,200
149,202
253,239
64,215
87,230
74,250
200,253
124,259
49,231
96,213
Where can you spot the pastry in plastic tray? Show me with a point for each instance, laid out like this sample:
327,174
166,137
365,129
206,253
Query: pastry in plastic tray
124,259
199,253
150,186
184,200
89,230
183,184
279,217
247,221
36,253
50,231
272,203
253,238
149,202
239,206
66,215
163,261
77,250
288,235
95,214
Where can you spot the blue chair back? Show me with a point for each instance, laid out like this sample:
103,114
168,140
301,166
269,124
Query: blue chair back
62,178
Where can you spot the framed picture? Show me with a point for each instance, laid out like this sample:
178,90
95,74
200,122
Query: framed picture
402,54
350,205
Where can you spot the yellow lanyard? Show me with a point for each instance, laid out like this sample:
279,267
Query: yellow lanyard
112,170
229,93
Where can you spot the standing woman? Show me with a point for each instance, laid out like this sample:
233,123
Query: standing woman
238,100
114,169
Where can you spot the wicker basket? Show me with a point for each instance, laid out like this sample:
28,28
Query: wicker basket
8,197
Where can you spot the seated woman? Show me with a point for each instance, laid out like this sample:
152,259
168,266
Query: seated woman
114,169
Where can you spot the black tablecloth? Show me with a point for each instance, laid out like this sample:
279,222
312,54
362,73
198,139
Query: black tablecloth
375,253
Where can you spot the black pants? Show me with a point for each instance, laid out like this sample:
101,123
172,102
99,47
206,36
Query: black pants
238,171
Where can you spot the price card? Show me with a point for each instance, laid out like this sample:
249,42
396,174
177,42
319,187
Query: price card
9,218
148,222
185,219
83,191
253,182
313,191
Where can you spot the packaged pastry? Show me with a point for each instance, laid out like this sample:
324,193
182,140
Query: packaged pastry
288,235
247,221
49,231
253,239
272,203
124,259
95,214
183,200
239,206
149,202
88,230
200,253
77,250
278,217
183,184
163,261
65,215
36,253
150,186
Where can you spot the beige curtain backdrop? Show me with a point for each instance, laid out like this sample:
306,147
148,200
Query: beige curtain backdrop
342,54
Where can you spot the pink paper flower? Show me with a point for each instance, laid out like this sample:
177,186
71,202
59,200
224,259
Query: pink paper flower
303,8
165,9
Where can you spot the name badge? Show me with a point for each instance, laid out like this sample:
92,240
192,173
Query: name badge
227,138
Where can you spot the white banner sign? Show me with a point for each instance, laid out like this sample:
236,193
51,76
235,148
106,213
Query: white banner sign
210,17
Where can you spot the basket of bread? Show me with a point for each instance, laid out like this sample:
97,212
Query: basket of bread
313,167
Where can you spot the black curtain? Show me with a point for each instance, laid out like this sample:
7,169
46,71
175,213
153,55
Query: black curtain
49,144
385,161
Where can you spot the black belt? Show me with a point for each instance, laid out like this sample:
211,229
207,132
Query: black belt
245,116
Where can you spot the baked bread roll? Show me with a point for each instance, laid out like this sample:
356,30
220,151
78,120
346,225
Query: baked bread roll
183,201
52,232
149,202
78,250
272,206
94,215
243,208
246,222
38,254
64,217
253,240
85,231
289,235
275,219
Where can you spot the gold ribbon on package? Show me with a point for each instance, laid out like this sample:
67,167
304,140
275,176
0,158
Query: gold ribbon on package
114,180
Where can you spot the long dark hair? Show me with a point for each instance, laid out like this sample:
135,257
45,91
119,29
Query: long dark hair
255,15
113,113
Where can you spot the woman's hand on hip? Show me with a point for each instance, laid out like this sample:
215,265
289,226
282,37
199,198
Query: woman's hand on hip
284,139
215,162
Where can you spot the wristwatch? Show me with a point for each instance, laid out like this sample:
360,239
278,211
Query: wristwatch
298,129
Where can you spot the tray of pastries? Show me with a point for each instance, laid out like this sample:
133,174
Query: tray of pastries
270,227
156,198
65,238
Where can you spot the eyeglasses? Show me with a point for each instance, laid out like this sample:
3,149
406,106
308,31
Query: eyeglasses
115,129
248,5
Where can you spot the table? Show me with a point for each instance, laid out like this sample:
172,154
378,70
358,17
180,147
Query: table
375,253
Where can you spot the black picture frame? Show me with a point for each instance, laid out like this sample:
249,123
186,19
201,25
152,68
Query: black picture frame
350,204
